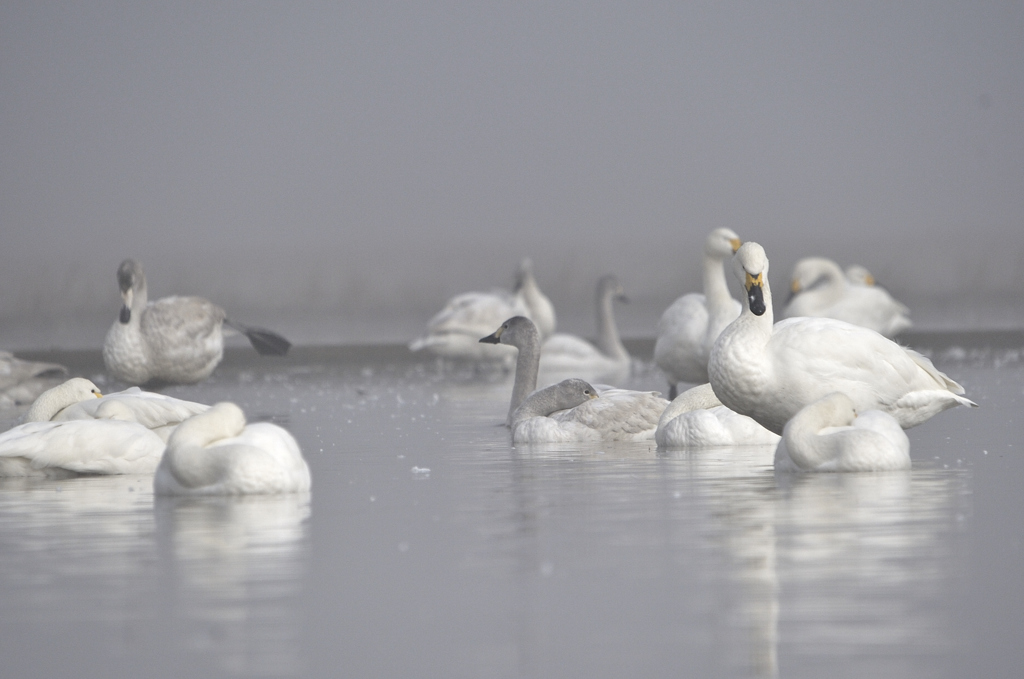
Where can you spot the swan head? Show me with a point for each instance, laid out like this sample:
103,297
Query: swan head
609,286
130,280
859,275
53,400
834,410
722,243
751,266
562,396
518,331
812,272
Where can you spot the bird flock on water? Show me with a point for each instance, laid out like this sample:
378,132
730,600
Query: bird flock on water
826,387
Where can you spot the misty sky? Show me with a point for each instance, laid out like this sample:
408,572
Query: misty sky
371,159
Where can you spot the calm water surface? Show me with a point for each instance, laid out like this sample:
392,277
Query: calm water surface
430,547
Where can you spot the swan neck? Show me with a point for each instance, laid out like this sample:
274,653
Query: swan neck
806,447
187,456
698,398
48,404
527,367
716,289
608,341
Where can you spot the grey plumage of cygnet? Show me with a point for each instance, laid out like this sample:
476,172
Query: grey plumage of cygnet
173,339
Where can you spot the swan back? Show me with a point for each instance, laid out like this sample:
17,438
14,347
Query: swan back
561,396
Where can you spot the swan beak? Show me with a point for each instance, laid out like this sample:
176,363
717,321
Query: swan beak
755,294
622,298
126,309
98,394
869,280
125,315
794,290
493,338
735,243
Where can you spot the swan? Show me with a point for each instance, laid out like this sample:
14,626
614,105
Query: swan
75,400
454,331
22,381
859,275
688,329
564,354
173,339
110,443
829,435
217,453
770,373
821,288
697,419
616,415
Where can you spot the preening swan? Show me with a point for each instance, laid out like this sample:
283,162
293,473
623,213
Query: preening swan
830,436
616,415
697,419
75,400
22,381
217,453
173,339
770,373
859,275
563,354
455,330
688,329
821,288
109,441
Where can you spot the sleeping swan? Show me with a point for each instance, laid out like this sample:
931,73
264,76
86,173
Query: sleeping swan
217,453
688,329
821,288
608,361
454,331
697,419
830,436
76,399
770,372
109,442
616,415
174,339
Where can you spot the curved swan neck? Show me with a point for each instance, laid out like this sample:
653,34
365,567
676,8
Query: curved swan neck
698,398
806,447
835,282
608,341
527,367
187,456
716,289
52,401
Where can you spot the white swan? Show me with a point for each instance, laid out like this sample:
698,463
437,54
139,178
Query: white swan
859,275
688,329
173,339
76,399
770,373
616,415
820,288
108,442
217,453
455,330
565,354
22,381
697,419
830,436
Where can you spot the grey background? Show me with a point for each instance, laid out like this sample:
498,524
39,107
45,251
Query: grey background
342,170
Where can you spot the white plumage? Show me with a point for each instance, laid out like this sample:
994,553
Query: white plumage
697,419
217,453
770,372
830,436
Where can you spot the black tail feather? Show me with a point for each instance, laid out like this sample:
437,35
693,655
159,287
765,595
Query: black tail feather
265,342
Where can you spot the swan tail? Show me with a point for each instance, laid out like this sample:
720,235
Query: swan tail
265,342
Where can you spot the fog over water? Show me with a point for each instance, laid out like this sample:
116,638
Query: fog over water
342,170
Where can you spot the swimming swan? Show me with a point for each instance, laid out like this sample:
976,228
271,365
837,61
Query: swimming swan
455,330
770,373
829,435
217,453
688,329
22,381
820,288
616,415
565,354
110,442
173,339
697,419
76,399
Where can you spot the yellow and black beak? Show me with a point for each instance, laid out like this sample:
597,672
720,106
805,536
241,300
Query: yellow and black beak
755,293
494,337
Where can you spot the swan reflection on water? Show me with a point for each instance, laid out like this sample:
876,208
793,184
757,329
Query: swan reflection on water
238,565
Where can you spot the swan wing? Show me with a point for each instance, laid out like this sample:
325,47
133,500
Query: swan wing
619,414
85,446
678,349
150,409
